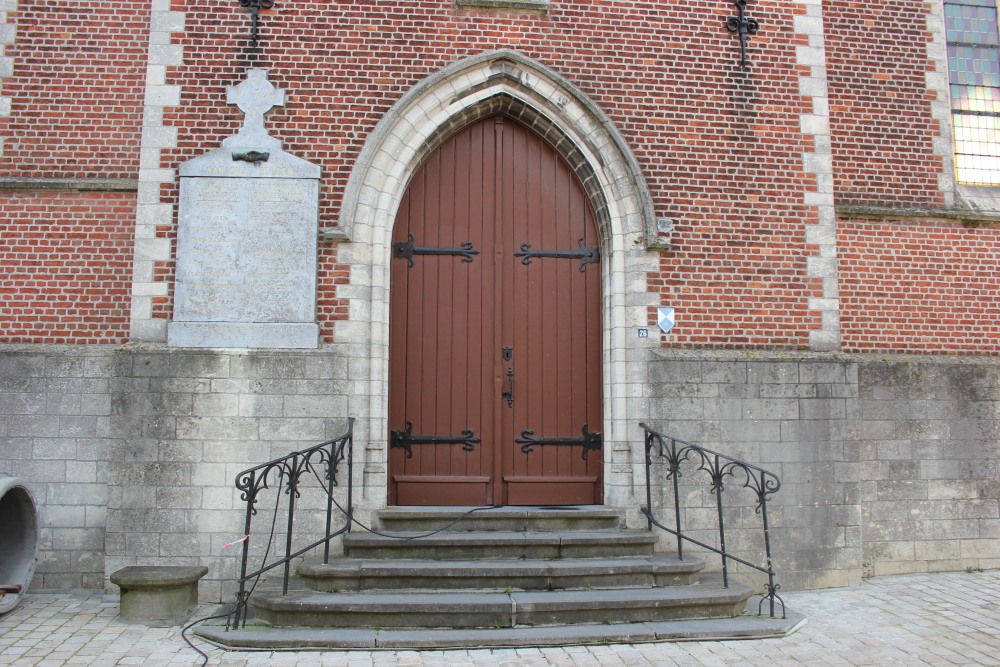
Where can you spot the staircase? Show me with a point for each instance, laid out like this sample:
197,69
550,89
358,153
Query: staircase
511,576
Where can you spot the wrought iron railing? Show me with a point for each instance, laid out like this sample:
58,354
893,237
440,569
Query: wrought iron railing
289,475
720,468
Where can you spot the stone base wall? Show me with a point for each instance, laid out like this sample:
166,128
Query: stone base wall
929,465
888,464
792,415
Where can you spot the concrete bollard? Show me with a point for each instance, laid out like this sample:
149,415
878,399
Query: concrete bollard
158,595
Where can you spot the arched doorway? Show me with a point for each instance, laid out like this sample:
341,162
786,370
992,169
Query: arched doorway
495,386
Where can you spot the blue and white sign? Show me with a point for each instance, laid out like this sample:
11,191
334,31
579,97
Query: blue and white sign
665,319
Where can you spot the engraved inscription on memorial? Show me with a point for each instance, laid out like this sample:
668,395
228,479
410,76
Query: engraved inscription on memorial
245,258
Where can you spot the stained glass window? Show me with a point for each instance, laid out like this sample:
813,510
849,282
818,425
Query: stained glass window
974,73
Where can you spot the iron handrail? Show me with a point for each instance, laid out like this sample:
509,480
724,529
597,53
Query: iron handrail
287,472
719,466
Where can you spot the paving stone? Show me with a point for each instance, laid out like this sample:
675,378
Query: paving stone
923,619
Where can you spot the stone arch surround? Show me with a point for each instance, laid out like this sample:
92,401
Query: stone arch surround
510,83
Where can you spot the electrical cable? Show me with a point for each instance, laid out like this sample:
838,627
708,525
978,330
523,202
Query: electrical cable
194,623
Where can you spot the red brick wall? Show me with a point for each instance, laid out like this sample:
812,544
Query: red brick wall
879,103
919,287
76,112
77,89
722,151
65,267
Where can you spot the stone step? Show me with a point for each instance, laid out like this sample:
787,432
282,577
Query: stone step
349,574
512,519
437,609
499,545
746,626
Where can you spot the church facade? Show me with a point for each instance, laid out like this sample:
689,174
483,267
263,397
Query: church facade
771,228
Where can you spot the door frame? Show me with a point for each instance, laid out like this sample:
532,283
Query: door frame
510,83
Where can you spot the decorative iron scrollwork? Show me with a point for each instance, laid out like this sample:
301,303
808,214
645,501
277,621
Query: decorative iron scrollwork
742,26
589,441
406,250
586,254
255,7
405,440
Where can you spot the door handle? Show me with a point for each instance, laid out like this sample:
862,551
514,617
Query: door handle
509,394
508,354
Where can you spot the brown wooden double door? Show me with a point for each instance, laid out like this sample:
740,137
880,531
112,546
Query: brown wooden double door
495,328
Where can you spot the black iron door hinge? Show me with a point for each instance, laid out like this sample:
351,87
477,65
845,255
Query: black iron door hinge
589,441
586,254
406,250
405,440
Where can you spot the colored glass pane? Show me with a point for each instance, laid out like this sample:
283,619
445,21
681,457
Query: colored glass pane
971,25
974,72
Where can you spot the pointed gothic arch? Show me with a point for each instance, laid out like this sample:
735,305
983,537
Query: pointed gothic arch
510,83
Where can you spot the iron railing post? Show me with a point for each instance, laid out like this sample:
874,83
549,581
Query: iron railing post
675,473
767,541
717,475
244,560
349,443
293,489
331,478
649,484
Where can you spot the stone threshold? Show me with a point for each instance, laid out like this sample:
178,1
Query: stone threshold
260,637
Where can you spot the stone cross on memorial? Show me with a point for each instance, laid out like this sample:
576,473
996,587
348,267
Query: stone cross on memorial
248,221
254,97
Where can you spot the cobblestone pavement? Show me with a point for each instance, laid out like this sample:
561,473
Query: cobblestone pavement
937,619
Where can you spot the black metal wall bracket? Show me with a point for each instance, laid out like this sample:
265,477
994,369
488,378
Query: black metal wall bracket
742,26
589,441
255,7
405,440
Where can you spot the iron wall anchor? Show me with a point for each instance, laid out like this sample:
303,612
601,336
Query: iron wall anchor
742,26
255,7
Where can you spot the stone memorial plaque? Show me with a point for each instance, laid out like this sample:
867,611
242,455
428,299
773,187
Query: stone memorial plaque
248,219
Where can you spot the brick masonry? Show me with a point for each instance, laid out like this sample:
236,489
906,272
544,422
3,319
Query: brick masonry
66,251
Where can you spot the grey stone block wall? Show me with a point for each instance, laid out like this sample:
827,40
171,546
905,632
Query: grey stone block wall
185,424
888,464
930,465
132,455
791,415
55,423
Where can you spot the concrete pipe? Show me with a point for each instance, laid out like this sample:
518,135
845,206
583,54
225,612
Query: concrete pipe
18,541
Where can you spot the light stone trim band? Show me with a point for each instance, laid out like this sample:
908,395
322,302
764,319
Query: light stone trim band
8,31
937,84
823,234
17,184
150,211
505,5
